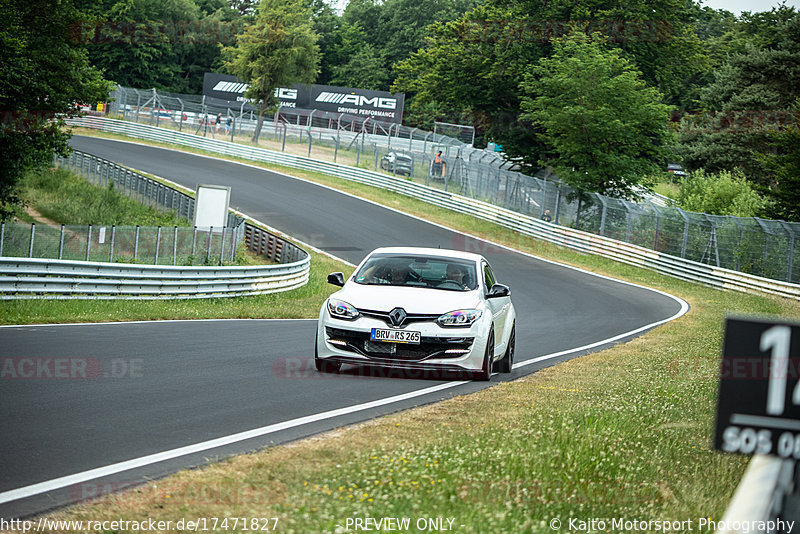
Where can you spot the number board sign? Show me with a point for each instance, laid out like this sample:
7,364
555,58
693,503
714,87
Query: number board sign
758,410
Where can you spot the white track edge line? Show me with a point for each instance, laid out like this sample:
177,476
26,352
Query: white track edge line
77,478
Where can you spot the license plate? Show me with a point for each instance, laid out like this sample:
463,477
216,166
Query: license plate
394,336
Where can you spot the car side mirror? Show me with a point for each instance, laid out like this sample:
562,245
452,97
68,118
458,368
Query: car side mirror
336,279
498,290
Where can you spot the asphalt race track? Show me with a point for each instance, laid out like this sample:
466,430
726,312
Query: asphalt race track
116,394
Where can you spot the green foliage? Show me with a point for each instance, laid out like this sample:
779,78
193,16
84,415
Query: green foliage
785,164
70,199
156,44
725,193
475,64
362,64
749,98
43,75
278,49
605,128
326,24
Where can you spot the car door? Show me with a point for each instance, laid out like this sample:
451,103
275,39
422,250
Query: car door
498,306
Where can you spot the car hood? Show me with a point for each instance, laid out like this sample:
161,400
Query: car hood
411,299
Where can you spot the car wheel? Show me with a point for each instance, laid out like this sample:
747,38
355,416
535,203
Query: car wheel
507,363
325,366
486,370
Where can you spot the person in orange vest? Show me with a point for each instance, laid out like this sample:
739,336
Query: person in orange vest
437,164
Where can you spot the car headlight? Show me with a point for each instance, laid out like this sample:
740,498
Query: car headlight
342,310
459,318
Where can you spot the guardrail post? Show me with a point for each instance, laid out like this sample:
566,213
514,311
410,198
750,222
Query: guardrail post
658,226
222,246
88,242
136,244
558,204
2,236
627,222
60,243
685,232
208,244
603,214
790,260
175,245
113,234
30,246
158,244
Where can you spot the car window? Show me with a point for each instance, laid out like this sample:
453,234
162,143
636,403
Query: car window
450,274
488,277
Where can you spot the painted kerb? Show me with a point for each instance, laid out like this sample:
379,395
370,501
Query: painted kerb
568,237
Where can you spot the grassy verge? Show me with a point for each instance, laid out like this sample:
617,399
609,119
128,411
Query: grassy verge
67,198
623,433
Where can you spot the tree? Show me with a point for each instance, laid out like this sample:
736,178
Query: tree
43,76
361,65
750,96
278,49
725,193
785,166
605,129
156,44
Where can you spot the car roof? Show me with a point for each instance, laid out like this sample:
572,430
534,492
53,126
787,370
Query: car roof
435,252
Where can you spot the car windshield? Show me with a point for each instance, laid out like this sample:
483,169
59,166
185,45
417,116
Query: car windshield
450,274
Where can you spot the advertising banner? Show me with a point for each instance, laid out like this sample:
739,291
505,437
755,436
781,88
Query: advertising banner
382,105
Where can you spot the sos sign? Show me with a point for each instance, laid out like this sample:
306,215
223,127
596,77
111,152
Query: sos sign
758,410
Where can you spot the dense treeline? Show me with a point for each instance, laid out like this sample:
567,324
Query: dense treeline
604,92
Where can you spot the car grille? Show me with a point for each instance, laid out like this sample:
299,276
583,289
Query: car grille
410,318
429,347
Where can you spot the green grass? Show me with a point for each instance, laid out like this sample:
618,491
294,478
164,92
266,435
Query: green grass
67,198
667,189
303,302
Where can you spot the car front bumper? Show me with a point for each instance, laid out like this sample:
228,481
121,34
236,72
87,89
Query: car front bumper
440,349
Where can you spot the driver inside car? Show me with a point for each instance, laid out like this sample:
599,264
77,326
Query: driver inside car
456,274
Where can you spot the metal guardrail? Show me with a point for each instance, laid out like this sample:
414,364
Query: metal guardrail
767,494
525,224
36,278
37,269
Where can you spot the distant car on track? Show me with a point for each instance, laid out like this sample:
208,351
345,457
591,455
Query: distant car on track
398,163
419,309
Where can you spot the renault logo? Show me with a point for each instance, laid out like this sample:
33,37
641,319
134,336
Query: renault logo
397,316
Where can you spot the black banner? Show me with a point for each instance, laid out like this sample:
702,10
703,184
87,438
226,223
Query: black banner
382,105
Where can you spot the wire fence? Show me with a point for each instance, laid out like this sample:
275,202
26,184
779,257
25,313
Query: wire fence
176,245
751,245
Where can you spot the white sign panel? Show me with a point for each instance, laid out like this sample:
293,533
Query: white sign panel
211,206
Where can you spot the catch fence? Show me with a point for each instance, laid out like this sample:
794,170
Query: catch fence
761,247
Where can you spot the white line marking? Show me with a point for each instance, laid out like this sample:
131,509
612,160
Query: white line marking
77,478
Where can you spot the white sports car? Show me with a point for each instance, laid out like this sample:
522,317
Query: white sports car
418,309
